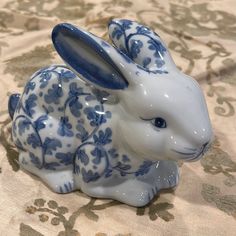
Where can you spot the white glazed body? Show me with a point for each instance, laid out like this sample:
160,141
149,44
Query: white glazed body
104,140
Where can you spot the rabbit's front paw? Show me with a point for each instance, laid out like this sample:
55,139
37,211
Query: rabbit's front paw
161,176
134,193
167,175
131,192
59,181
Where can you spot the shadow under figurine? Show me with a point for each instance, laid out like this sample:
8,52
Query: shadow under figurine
115,121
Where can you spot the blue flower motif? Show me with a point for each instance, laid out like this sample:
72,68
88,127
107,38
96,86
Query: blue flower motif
30,103
65,158
23,125
103,137
159,49
144,168
66,75
126,24
98,153
146,61
159,62
34,140
29,86
135,47
19,144
143,30
82,133
65,127
113,153
117,33
75,106
54,94
82,156
45,76
40,122
94,115
75,90
50,144
51,165
74,103
35,160
125,158
120,28
89,176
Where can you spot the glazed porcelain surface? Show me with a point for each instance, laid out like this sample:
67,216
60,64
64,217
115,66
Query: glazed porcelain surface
115,120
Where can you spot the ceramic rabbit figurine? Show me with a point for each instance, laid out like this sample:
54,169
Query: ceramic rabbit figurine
117,132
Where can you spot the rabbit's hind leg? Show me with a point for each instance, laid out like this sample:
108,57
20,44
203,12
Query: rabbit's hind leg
59,181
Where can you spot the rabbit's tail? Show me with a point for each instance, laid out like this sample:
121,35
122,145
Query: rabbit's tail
12,103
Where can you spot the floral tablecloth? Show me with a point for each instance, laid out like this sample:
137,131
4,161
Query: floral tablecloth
201,36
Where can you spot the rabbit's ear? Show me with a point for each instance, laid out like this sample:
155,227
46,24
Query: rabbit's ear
91,57
141,44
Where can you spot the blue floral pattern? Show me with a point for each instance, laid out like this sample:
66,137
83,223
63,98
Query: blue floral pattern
65,158
148,53
29,86
40,122
30,103
66,75
135,47
35,160
34,140
65,128
54,94
92,158
45,77
120,29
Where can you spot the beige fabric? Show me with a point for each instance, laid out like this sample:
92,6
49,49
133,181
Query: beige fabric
201,35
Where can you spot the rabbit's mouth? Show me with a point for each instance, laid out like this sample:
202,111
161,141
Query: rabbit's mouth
192,154
205,147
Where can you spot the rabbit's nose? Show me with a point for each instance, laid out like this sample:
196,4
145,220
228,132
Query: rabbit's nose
203,136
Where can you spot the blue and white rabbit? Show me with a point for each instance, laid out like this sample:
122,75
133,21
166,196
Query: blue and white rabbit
113,122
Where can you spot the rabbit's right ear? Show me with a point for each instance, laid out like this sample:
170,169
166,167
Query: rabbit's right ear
94,59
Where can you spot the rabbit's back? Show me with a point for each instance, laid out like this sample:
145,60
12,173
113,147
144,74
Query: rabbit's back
55,114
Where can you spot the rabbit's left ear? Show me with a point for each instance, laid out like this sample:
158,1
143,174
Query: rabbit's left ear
94,59
141,44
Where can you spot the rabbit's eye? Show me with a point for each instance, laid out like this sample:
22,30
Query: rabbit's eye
159,122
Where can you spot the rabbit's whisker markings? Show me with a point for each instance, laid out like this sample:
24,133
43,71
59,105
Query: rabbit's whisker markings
191,149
